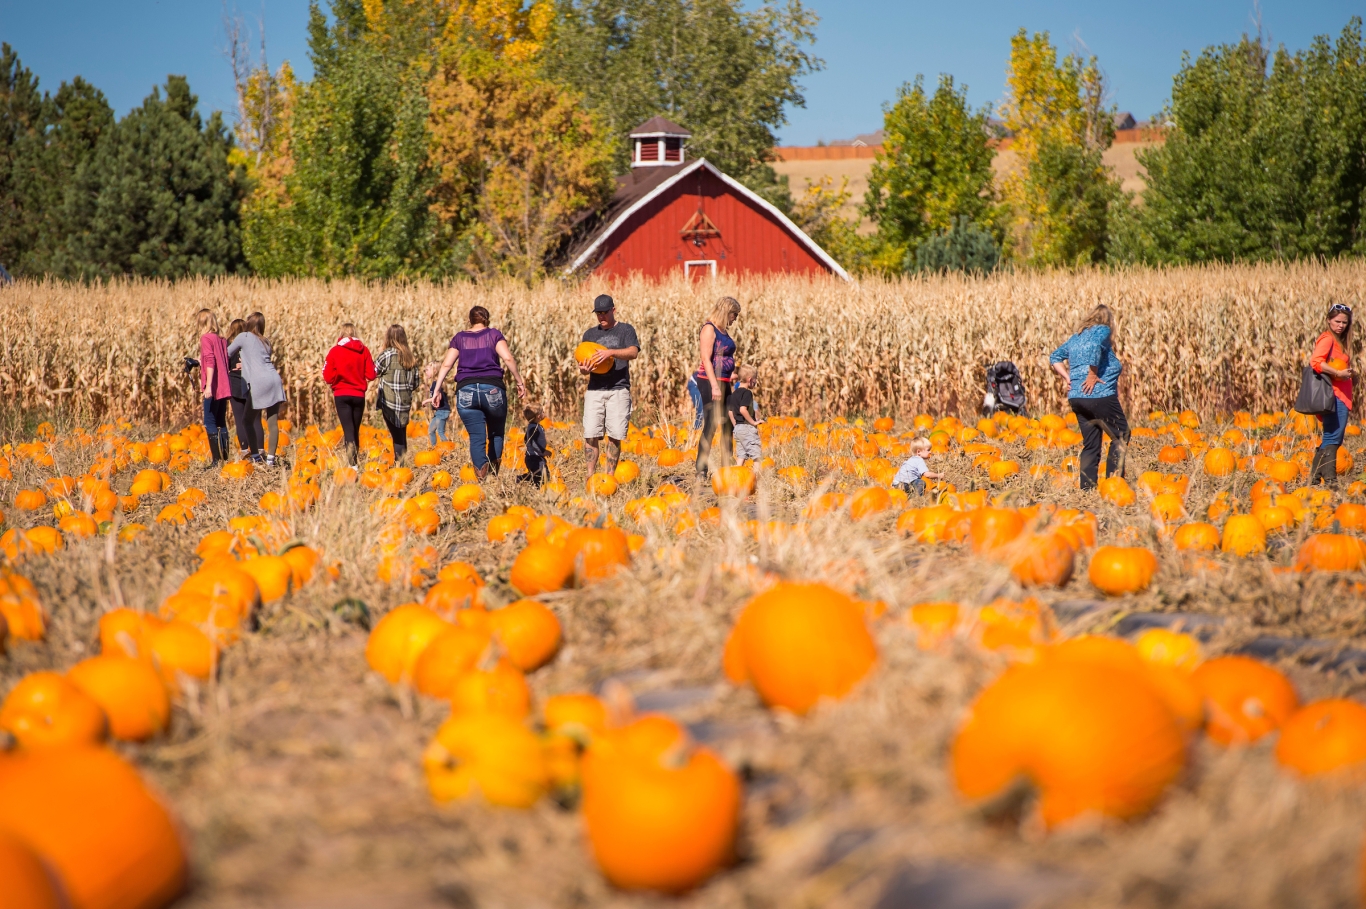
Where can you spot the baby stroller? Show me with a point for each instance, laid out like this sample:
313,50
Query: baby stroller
1005,391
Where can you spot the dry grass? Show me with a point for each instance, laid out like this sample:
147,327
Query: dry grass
1212,339
296,772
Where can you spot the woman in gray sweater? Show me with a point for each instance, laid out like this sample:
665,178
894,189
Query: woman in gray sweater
265,390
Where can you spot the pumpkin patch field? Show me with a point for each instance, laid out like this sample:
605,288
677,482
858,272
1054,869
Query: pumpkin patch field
319,685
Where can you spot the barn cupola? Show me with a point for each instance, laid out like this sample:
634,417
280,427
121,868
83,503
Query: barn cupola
657,143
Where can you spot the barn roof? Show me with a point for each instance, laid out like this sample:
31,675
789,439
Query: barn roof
642,186
658,126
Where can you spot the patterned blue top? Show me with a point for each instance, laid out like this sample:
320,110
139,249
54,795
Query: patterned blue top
1087,348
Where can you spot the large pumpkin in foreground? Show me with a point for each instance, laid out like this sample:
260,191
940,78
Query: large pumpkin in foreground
1090,737
660,813
798,643
87,812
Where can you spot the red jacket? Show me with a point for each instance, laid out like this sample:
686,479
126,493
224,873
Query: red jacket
349,368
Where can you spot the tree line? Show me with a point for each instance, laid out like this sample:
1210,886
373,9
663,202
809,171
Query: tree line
1263,158
443,138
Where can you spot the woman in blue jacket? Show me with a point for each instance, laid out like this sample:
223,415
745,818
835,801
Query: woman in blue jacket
1092,372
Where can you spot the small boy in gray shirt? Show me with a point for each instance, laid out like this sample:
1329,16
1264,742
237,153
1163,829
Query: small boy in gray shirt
911,475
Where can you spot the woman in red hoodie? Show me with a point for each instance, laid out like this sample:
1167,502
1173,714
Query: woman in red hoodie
349,370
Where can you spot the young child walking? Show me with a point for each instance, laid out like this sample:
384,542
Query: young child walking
912,474
744,416
536,470
441,412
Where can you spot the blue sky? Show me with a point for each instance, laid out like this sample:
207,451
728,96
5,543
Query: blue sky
870,46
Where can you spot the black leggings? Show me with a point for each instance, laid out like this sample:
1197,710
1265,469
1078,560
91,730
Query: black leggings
272,415
239,423
715,411
397,431
1097,418
350,412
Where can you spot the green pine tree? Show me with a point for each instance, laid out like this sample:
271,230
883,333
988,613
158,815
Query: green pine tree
964,247
22,124
157,197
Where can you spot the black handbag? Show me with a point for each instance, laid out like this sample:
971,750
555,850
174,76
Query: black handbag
1316,393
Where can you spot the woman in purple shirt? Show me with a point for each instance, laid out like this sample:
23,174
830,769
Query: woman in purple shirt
478,356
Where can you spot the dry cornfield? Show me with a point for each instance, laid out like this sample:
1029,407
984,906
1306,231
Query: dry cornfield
1211,339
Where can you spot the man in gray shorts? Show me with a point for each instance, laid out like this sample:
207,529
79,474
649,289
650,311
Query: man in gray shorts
607,402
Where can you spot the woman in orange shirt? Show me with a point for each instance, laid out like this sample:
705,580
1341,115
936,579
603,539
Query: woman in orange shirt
1330,358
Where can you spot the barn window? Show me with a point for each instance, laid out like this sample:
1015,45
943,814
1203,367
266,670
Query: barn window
673,149
647,150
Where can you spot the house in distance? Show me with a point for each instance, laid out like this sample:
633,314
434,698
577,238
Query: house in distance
672,216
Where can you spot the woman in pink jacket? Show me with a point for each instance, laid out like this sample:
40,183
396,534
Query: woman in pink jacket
213,383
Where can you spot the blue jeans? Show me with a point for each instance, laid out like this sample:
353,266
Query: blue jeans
483,408
216,421
436,429
1334,424
696,394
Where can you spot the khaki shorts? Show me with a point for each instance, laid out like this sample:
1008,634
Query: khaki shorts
747,446
606,412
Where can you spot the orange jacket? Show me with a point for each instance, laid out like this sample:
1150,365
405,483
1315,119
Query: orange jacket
1328,350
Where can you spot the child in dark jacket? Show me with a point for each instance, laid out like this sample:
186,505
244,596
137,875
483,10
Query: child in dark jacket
536,453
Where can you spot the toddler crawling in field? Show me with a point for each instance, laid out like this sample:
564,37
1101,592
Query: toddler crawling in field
912,474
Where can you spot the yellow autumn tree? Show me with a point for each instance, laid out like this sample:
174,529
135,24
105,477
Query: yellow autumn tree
517,158
1060,191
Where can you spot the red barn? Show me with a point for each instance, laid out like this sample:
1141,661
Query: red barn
670,216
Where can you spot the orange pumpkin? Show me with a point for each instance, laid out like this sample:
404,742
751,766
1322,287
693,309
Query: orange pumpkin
602,484
87,812
1323,737
29,884
866,503
1244,535
1197,536
129,691
1117,570
1043,560
1089,736
502,689
1220,462
1331,552
798,643
991,528
1173,454
446,598
399,638
596,552
29,499
491,754
450,654
1164,647
541,567
502,526
45,710
1116,491
127,631
1245,699
1168,507
529,632
585,351
273,575
658,818
736,482
179,648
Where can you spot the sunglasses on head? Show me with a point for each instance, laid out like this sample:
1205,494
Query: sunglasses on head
1339,307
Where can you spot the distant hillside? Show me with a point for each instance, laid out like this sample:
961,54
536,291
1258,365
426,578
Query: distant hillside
806,164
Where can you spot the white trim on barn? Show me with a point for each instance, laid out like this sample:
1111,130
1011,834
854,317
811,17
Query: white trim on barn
740,188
